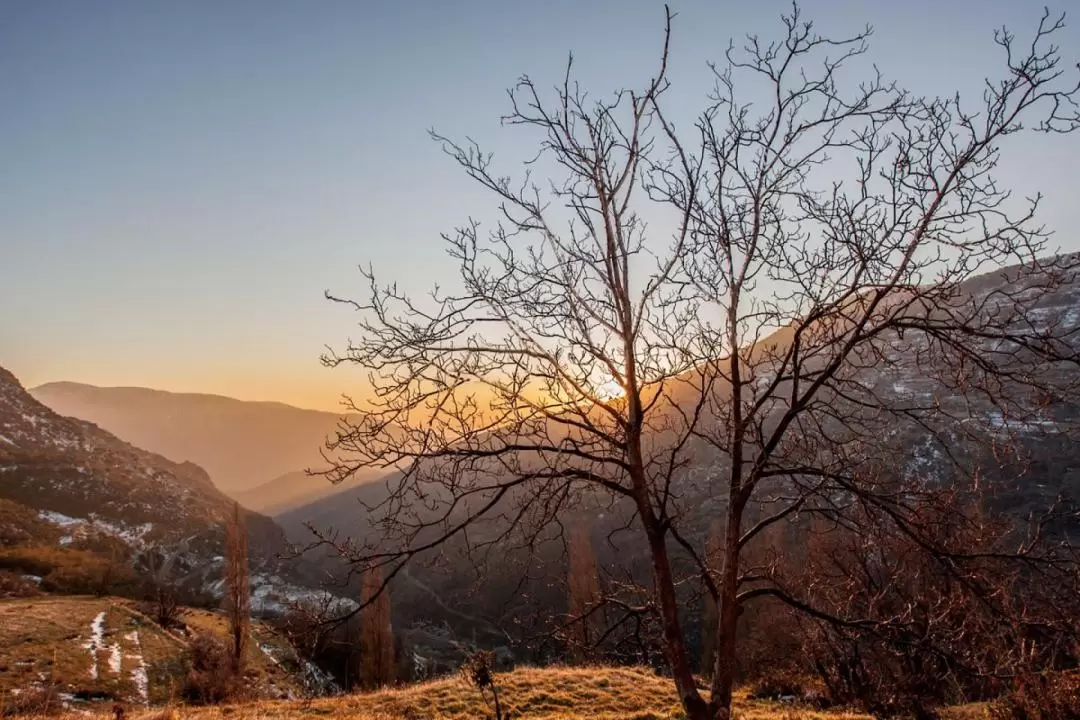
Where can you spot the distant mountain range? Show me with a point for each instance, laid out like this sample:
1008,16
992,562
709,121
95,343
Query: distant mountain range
65,481
295,490
254,451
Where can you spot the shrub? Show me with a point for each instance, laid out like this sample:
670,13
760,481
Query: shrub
210,678
38,701
19,525
70,571
1044,696
14,585
478,671
789,685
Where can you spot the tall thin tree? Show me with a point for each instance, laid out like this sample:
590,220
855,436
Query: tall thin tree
584,598
237,599
378,667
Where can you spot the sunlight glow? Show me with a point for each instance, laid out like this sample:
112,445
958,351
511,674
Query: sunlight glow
610,390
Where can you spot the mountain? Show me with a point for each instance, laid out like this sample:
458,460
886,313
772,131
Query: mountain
292,490
67,482
241,444
1040,462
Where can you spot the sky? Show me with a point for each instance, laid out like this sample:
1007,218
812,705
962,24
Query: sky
180,182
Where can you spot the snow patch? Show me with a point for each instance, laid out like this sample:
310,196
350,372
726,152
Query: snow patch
269,653
997,420
270,594
96,642
138,674
115,659
133,536
59,518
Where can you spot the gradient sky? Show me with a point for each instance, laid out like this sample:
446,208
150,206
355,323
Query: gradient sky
181,181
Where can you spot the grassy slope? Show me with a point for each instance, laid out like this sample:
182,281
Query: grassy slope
597,693
43,640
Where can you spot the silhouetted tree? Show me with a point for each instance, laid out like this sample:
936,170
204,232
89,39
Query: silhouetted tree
237,599
817,238
377,665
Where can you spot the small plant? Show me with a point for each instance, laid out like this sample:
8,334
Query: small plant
477,672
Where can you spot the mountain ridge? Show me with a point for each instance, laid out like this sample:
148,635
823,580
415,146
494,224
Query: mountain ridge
242,444
74,384
92,487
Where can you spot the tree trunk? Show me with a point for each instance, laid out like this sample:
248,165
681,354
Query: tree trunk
723,680
695,706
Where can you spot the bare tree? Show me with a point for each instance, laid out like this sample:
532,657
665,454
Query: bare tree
161,596
237,599
819,240
377,664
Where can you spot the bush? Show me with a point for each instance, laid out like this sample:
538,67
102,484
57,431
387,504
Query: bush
19,525
791,686
70,571
210,679
13,585
161,602
1047,696
478,671
37,702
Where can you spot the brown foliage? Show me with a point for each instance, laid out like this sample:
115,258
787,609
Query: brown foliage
211,678
1041,696
478,670
37,702
71,571
14,585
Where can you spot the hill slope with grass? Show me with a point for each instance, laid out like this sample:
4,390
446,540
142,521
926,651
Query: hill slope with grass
78,652
596,693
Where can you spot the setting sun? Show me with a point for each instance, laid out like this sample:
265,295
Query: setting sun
610,390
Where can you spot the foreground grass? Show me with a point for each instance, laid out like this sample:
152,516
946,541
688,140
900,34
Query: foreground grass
593,693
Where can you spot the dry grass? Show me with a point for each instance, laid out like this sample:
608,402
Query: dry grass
597,693
42,644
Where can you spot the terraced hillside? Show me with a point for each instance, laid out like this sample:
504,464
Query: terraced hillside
104,650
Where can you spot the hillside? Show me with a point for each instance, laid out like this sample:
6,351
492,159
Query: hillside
242,445
105,650
598,693
1042,464
68,486
293,490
